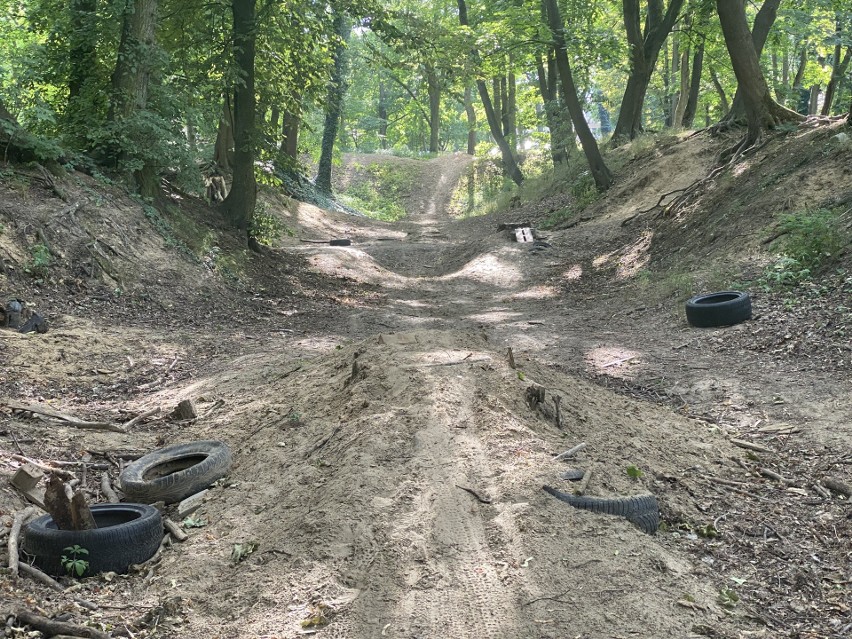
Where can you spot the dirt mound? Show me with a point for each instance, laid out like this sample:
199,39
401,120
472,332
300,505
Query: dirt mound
359,509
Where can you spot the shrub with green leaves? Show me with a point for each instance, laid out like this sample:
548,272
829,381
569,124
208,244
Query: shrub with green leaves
810,241
73,562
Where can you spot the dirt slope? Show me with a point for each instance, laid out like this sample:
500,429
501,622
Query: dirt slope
350,449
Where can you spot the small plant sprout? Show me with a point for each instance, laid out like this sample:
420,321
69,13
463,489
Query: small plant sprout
633,472
73,563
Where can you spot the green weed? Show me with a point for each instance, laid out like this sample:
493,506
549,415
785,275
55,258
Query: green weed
811,241
73,563
40,260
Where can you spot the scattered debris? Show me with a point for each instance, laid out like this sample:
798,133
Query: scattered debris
570,452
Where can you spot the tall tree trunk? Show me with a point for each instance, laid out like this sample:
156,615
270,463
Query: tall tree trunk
762,112
838,71
763,22
383,114
336,91
471,121
132,75
547,88
239,205
510,164
644,49
83,61
683,94
434,90
512,108
694,86
798,92
600,172
814,99
497,92
223,151
784,95
673,79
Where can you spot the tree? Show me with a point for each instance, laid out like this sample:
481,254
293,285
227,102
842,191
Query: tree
239,205
644,47
334,103
600,172
762,112
131,78
510,163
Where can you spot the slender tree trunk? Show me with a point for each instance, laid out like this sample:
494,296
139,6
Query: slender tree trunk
683,94
694,86
838,72
673,79
762,112
512,108
510,164
471,121
784,96
434,89
336,91
798,91
223,151
239,205
644,48
723,99
600,172
497,92
814,99
383,114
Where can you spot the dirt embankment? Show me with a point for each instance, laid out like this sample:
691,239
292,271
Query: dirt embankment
392,485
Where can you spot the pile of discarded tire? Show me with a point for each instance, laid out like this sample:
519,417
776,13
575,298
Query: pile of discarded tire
130,533
15,315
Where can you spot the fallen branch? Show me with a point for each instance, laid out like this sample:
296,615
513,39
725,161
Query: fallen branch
62,417
52,628
17,523
570,453
175,530
837,486
584,483
750,446
621,360
773,475
821,491
131,423
480,498
106,489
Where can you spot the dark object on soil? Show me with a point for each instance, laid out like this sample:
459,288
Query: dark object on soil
185,410
573,474
36,323
126,534
340,242
718,309
12,314
643,511
172,473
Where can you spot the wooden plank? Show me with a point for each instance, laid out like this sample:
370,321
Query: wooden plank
524,235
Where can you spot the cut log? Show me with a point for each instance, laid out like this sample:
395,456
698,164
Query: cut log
185,410
26,477
81,515
56,502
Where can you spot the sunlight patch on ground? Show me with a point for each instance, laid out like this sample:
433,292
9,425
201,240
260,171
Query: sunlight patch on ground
450,357
573,274
543,292
496,316
628,260
354,264
414,303
489,269
614,361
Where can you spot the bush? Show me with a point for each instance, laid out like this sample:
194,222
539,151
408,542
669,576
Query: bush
811,240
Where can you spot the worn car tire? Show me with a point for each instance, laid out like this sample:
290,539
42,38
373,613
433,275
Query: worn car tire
718,309
126,534
642,511
173,473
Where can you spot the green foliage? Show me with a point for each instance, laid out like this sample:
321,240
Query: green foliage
267,228
40,260
728,598
379,190
194,522
73,562
811,241
241,551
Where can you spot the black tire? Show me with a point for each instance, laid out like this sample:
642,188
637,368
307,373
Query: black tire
725,308
642,511
173,473
126,534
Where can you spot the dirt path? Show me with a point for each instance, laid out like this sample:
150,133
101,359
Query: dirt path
389,466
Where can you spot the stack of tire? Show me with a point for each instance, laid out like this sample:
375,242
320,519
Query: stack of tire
130,533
